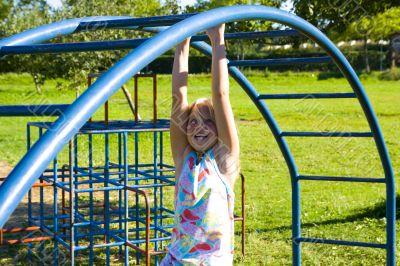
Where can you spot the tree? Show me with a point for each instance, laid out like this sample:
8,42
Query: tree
382,26
172,6
334,17
22,16
238,47
72,66
5,8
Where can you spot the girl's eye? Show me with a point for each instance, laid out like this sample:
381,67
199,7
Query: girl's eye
193,122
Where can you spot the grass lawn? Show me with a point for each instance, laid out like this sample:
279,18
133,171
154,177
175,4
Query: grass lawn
351,211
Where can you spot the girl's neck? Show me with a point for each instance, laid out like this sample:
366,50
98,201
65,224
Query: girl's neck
199,155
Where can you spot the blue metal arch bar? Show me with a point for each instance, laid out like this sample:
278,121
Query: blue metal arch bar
49,31
25,173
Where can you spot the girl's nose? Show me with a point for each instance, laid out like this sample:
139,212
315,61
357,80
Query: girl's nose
201,127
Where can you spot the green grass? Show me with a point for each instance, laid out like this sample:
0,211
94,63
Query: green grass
332,210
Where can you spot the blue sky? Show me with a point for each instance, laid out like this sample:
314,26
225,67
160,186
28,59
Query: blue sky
57,3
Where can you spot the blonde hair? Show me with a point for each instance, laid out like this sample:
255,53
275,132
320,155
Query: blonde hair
203,101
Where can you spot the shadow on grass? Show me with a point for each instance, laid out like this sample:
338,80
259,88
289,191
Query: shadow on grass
377,211
19,218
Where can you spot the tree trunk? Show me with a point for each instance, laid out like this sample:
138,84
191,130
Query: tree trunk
37,81
393,53
392,58
366,59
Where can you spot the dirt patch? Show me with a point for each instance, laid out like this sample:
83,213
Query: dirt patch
19,218
5,169
20,215
246,121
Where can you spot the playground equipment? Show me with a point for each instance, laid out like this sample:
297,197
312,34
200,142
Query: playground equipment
35,162
105,203
117,203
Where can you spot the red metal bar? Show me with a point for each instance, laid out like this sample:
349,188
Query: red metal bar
18,241
26,240
17,229
156,253
106,113
42,185
129,244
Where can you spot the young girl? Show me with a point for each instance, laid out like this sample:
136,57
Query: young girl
205,149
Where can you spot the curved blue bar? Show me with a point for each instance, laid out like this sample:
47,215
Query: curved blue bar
126,44
50,31
281,61
133,22
36,160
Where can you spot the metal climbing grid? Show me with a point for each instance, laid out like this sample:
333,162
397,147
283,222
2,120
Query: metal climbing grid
105,202
115,203
75,116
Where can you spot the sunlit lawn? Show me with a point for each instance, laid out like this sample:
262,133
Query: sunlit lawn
351,211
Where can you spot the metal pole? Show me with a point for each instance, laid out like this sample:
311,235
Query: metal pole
107,199
41,203
30,218
76,179
137,183
128,44
155,191
135,96
71,204
55,213
154,98
91,220
120,181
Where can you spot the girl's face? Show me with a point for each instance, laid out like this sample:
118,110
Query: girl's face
201,129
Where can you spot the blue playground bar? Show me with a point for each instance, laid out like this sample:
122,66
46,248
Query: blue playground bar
112,185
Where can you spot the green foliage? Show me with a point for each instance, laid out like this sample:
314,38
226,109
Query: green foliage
75,67
5,8
238,47
26,14
78,67
386,24
382,26
379,27
334,16
23,16
391,74
343,20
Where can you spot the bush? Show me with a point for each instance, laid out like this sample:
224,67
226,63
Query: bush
329,75
391,74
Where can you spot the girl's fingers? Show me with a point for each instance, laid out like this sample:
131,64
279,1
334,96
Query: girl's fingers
216,31
185,42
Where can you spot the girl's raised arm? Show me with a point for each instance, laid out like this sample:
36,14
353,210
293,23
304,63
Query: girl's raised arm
180,112
228,151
